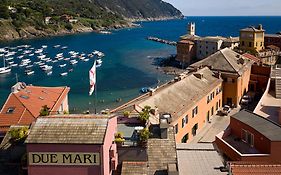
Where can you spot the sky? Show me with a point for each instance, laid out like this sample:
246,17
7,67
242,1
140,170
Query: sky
228,7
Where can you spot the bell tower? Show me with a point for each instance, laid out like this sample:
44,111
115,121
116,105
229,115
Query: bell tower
191,29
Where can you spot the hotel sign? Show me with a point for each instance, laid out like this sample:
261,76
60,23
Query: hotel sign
63,158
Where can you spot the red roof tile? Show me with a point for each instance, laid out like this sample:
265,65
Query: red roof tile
255,168
252,57
28,102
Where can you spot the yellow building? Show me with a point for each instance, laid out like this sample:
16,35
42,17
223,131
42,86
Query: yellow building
235,70
252,39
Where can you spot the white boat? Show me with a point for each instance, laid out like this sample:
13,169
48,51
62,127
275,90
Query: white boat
57,46
64,47
62,65
41,64
27,52
47,68
29,66
11,62
60,58
30,72
66,59
59,55
32,54
23,64
73,62
49,72
44,46
14,65
54,61
41,56
20,57
4,69
64,74
82,58
38,51
99,61
8,59
87,59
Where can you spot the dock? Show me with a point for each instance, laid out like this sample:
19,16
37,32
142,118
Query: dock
173,43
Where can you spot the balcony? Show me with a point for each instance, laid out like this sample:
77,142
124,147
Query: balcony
237,150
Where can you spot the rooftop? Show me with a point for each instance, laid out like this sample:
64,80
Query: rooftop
262,125
252,57
24,104
273,35
252,29
226,60
73,129
254,168
134,168
161,152
199,159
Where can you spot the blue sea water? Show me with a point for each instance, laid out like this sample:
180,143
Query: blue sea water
128,65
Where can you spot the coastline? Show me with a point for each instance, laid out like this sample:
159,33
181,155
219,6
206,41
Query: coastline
31,33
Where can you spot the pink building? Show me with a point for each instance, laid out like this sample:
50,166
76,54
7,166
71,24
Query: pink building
72,145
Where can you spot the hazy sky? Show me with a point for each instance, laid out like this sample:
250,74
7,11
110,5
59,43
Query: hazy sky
228,7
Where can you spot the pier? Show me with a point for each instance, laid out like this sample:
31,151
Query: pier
173,43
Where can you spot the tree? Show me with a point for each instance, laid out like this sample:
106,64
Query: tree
18,134
144,135
45,111
145,114
4,12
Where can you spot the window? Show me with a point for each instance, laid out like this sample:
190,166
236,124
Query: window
219,103
233,80
243,43
185,138
217,106
212,111
176,128
247,137
10,110
186,119
257,44
250,44
183,122
195,111
207,53
261,43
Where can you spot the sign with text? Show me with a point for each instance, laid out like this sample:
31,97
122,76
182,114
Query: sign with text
62,158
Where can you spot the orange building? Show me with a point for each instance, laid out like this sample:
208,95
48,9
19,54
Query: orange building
250,137
186,51
189,102
24,104
235,70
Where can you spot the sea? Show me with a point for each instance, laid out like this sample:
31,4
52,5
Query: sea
130,59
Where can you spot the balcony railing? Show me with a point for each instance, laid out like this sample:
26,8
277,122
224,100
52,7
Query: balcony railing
235,154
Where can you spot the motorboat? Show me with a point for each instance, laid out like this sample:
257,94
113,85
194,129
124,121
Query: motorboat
63,74
62,65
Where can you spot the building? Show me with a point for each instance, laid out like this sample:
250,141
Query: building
192,47
269,105
272,39
252,39
186,51
24,104
235,71
250,137
72,144
190,100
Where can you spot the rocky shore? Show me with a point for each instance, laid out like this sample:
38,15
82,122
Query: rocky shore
9,33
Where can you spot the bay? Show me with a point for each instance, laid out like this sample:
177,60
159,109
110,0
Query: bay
128,64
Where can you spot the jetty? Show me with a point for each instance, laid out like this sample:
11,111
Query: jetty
173,43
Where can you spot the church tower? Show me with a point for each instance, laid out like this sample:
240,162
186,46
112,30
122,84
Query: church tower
191,29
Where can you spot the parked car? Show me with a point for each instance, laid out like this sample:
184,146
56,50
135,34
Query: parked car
225,110
246,99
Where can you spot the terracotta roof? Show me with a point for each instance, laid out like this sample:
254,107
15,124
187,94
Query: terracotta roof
186,42
252,57
252,29
73,129
226,60
27,103
254,168
134,168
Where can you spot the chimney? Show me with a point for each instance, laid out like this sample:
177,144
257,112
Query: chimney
218,74
198,75
260,27
164,125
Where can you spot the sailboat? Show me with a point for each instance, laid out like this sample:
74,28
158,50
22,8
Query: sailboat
4,69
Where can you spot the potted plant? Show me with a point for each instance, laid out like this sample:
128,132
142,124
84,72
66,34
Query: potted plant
144,136
145,114
119,139
18,134
45,111
126,113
